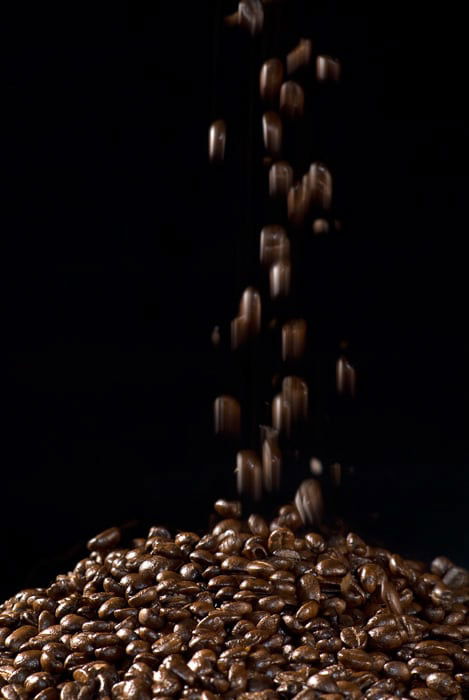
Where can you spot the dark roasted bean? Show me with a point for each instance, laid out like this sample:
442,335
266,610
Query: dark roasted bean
354,637
356,659
443,684
322,683
422,693
398,670
309,587
387,637
272,604
105,540
331,567
14,640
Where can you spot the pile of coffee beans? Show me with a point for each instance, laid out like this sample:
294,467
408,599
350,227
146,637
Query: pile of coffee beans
250,609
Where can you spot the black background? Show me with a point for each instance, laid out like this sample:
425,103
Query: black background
122,253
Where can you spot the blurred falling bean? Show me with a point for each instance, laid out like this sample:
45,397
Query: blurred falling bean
271,79
295,392
327,69
316,466
249,474
298,201
271,464
239,331
320,227
227,416
280,179
292,99
346,378
320,182
272,130
280,279
251,16
300,56
390,596
251,308
281,414
217,141
309,502
274,245
294,339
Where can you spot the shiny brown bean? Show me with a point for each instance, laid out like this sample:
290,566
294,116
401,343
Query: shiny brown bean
398,670
105,540
14,640
443,683
271,79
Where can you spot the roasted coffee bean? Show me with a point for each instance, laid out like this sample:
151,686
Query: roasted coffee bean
228,509
354,637
46,619
37,682
331,567
105,540
443,684
258,585
281,538
431,647
14,691
272,604
18,676
15,640
422,693
292,99
356,659
307,611
387,637
273,133
271,79
28,660
280,181
397,670
168,644
309,588
322,684
462,679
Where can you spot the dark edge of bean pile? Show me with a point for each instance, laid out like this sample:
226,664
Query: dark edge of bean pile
251,609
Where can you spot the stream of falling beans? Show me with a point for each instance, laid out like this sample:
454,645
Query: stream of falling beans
300,203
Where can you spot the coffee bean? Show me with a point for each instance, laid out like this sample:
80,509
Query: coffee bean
331,567
422,693
292,100
280,182
357,659
354,637
37,682
443,684
307,611
15,640
322,684
398,670
105,540
309,587
271,79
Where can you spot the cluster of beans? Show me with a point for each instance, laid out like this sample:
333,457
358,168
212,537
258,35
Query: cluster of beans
251,609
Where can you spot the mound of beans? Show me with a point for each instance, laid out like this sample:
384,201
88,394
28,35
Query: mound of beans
251,609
